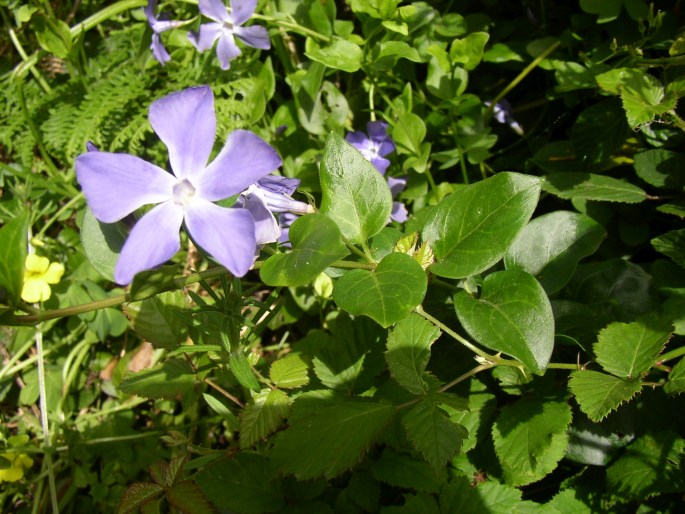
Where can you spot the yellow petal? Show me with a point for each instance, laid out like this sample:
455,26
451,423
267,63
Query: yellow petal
35,290
36,264
23,461
54,273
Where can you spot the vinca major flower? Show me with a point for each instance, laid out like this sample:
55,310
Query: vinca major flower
39,273
225,27
115,185
159,24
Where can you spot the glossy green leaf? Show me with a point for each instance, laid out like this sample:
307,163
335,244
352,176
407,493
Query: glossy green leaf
469,50
551,246
661,168
387,294
471,229
289,372
607,10
408,133
328,434
263,415
672,244
355,195
340,54
597,443
530,438
158,319
408,352
166,380
598,394
588,186
629,349
13,250
512,315
676,379
401,470
316,242
433,434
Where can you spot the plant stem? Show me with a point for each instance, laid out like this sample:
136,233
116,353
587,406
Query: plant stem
32,67
76,199
224,392
419,310
673,354
468,374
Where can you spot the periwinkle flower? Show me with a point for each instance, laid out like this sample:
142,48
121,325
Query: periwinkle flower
116,184
159,24
374,146
503,113
225,26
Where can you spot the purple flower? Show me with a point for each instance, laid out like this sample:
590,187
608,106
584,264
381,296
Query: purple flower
375,146
225,26
269,195
159,24
115,185
399,211
503,114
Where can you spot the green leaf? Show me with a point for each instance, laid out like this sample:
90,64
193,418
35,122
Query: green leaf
597,443
598,394
408,133
551,246
469,50
167,380
481,408
246,483
262,416
512,315
607,10
13,250
653,464
220,408
290,372
102,243
644,98
187,496
408,352
530,438
672,244
490,497
676,379
157,319
567,502
433,434
589,186
661,168
387,294
340,54
392,51
401,470
629,349
354,194
600,131
53,35
136,495
327,434
471,229
317,243
240,367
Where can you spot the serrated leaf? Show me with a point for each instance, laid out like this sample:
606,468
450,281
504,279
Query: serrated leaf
598,394
652,464
167,380
471,229
566,502
137,494
588,186
188,497
246,484
433,434
262,416
102,243
490,497
597,443
13,245
316,242
644,98
512,315
387,294
530,438
167,473
629,349
409,351
551,246
481,409
672,244
401,470
354,195
328,434
660,168
676,379
157,319
290,372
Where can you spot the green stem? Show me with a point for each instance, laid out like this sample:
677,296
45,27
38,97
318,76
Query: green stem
468,374
372,110
673,354
520,77
78,198
562,365
419,310
32,67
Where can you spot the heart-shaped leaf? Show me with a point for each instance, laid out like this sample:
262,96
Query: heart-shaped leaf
354,194
387,294
512,315
316,244
471,229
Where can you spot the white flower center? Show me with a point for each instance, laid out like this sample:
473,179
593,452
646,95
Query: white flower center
227,27
371,151
183,193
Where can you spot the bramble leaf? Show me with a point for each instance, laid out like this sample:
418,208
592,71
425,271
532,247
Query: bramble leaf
491,497
401,470
290,372
676,379
156,319
172,377
672,244
263,415
598,394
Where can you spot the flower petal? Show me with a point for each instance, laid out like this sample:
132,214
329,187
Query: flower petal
381,164
241,10
186,123
116,184
397,185
54,273
399,212
204,38
244,159
357,139
154,240
228,235
158,50
255,36
149,11
226,49
378,130
35,290
36,264
266,226
214,9
279,184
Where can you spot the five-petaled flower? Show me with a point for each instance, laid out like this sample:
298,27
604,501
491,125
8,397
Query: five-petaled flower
225,26
39,273
159,24
115,185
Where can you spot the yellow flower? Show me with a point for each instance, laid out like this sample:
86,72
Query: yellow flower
19,462
38,274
